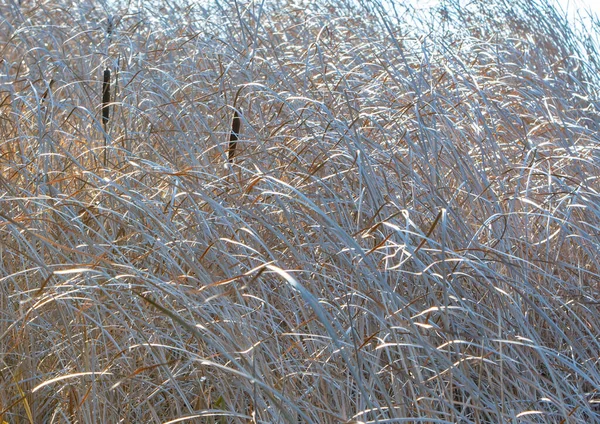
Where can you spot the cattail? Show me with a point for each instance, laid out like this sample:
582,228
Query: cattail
105,109
109,27
236,123
106,97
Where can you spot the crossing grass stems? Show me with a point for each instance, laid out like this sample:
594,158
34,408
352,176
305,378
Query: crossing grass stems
411,236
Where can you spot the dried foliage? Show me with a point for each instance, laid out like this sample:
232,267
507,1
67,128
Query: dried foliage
410,230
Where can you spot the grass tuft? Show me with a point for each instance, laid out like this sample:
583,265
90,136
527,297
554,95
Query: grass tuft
413,233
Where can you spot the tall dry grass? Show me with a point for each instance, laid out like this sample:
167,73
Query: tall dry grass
409,232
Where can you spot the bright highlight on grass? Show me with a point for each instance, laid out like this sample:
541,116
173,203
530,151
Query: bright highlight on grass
411,233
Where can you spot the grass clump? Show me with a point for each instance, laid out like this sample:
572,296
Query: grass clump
409,230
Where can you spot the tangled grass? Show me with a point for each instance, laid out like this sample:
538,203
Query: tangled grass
409,230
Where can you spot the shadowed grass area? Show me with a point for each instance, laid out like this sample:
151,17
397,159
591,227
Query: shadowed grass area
409,231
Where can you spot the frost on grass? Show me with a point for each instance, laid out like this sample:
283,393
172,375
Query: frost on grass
410,228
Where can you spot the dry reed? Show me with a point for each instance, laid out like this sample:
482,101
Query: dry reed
413,235
236,124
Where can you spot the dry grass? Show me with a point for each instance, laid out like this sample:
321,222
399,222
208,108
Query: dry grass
409,232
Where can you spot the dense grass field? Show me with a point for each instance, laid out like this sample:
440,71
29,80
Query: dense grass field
408,228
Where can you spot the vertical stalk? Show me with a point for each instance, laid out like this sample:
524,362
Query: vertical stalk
105,108
236,124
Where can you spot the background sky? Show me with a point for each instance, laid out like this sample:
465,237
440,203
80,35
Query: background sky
570,6
577,10
574,5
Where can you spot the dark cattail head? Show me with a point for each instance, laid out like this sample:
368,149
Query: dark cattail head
106,96
236,124
109,27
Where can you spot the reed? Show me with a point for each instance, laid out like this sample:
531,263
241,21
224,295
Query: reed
105,110
411,233
236,124
47,91
106,97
